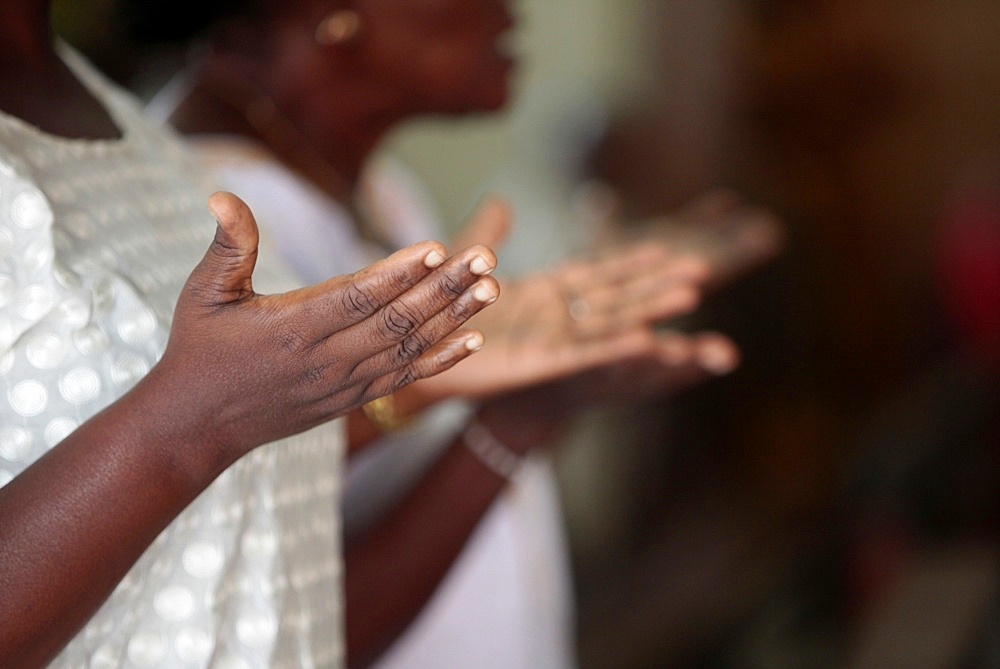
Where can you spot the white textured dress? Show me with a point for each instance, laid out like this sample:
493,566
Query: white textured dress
96,241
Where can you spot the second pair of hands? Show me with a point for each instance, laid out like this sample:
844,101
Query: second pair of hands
583,334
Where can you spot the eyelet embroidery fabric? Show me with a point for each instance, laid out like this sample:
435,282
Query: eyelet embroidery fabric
96,241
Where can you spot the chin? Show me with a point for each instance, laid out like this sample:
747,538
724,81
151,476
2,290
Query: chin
481,104
488,97
494,103
489,93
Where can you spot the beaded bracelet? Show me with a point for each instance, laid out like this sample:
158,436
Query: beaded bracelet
491,451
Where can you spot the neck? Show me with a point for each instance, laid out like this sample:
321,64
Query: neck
326,135
342,135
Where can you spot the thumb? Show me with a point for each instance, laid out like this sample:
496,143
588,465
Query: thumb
225,273
489,225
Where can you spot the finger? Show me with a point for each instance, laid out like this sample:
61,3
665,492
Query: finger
345,301
224,275
445,290
442,356
655,305
658,295
489,225
612,265
617,348
426,336
435,360
716,353
639,288
755,236
683,361
590,288
674,348
674,366
631,263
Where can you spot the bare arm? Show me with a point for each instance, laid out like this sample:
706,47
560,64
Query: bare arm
240,370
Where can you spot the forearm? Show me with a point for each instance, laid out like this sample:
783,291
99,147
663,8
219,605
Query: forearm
76,520
393,570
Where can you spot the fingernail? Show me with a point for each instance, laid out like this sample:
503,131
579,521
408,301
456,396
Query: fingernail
480,266
484,293
433,259
474,342
717,359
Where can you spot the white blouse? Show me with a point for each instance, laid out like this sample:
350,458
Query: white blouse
96,241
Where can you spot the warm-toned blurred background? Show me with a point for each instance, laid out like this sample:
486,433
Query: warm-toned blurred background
836,502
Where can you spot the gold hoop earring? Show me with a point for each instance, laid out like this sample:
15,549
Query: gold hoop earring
341,27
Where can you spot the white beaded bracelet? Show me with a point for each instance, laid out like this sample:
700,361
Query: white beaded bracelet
491,451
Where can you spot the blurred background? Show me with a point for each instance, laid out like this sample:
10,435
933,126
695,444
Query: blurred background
835,502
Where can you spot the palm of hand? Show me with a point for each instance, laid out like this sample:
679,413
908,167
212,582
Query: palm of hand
535,333
533,340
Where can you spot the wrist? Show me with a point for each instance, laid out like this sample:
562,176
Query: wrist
182,425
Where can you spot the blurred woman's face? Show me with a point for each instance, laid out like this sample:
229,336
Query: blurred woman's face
445,56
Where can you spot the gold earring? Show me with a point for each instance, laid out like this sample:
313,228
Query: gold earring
340,27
